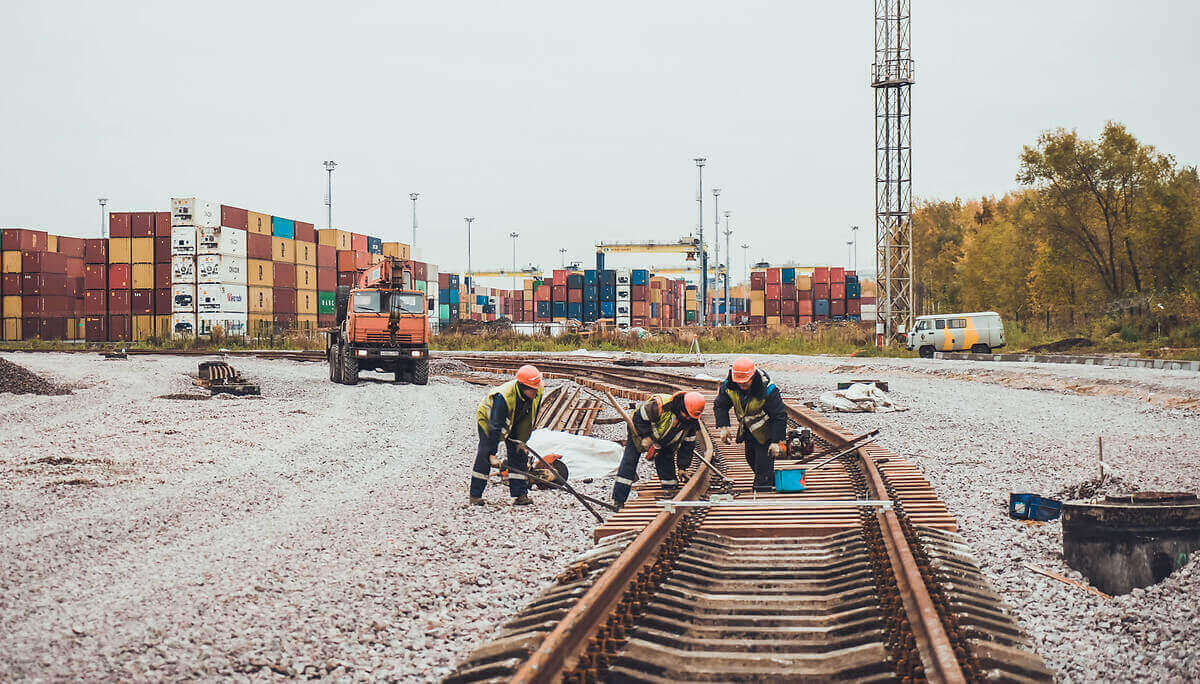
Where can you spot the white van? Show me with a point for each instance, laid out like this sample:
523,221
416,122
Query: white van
979,333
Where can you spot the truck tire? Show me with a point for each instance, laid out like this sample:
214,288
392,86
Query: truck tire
341,302
335,363
926,352
980,349
420,372
349,366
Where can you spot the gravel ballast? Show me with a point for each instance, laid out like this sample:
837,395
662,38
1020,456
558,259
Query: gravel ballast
15,379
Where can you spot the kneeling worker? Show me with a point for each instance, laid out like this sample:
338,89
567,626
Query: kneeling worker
667,422
757,403
508,412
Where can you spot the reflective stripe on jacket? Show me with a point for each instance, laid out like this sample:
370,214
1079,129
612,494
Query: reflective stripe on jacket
665,427
510,392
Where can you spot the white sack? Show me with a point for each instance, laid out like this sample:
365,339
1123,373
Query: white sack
584,456
861,397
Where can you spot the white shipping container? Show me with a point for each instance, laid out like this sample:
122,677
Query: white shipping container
221,241
624,309
869,312
221,298
233,324
624,293
189,211
624,276
221,268
183,270
183,298
183,240
183,324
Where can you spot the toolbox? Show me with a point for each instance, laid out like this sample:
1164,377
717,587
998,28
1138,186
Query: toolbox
789,479
1033,507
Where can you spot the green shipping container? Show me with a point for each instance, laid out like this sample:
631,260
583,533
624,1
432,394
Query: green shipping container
420,285
444,312
325,303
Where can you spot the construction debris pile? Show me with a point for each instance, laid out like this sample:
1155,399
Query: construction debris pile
18,380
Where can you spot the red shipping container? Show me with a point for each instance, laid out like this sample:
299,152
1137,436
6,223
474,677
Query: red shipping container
30,328
141,302
326,279
854,307
640,309
119,301
326,320
346,260
285,276
773,292
558,293
362,260
141,224
758,321
772,307
820,275
575,296
95,251
788,307
162,275
95,277
284,300
347,278
74,267
837,290
162,300
258,246
358,243
95,302
787,291
32,306
788,321
837,307
120,276
36,262
758,280
232,217
45,284
118,224
53,328
804,307
327,257
118,328
95,329
837,274
638,322
72,248
559,277
774,275
638,293
23,239
162,224
803,320
420,270
10,284
820,290
304,232
162,250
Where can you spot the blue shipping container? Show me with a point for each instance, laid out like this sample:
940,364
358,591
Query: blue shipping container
543,309
608,277
374,245
559,309
589,277
853,291
591,309
481,299
640,276
608,308
787,275
599,261
574,281
820,307
454,281
591,293
608,293
654,309
575,310
284,228
444,295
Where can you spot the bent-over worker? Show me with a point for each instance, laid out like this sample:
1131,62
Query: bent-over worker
762,418
668,423
508,413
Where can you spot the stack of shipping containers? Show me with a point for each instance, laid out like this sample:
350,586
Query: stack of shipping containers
221,293
95,284
790,297
187,217
260,275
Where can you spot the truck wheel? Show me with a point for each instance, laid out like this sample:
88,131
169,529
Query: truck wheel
926,352
420,372
335,363
349,366
980,349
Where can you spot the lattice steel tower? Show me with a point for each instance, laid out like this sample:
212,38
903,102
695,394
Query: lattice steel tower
892,78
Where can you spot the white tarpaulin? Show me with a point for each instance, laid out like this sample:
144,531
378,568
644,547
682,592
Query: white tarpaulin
861,397
584,456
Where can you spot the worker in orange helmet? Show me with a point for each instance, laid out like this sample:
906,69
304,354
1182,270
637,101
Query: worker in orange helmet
668,423
762,418
508,412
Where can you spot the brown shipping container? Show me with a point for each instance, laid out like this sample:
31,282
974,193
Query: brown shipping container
72,248
326,320
837,307
787,291
162,224
95,277
258,246
141,302
38,262
820,290
118,328
285,276
119,301
74,267
326,257
347,278
45,284
162,300
283,300
95,302
162,250
804,307
346,261
141,224
773,292
118,224
95,251
120,276
326,279
758,321
10,284
162,275
787,307
53,328
23,240
96,329
304,232
772,306
232,217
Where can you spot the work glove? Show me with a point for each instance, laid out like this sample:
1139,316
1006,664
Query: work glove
775,449
647,443
726,435
494,460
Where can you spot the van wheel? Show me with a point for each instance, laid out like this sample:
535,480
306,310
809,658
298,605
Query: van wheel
926,352
980,349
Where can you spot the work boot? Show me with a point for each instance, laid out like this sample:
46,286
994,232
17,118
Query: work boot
476,501
522,500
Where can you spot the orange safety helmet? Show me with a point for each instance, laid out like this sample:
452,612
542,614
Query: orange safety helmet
694,403
529,376
743,370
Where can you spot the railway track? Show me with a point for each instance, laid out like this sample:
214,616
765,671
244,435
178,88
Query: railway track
860,577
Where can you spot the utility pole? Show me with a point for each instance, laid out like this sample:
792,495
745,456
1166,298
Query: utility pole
469,283
413,196
562,257
728,267
703,252
514,236
716,241
849,252
854,237
103,217
329,167
746,260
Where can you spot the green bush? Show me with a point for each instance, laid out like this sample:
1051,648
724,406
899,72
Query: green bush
1129,334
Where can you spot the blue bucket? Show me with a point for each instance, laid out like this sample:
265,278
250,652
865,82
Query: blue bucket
789,479
1033,507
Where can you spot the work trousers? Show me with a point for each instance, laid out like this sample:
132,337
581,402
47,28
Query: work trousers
517,484
760,460
665,462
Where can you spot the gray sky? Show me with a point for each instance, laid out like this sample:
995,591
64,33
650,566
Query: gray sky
567,122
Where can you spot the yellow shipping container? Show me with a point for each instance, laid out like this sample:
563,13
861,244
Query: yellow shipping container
338,239
143,276
306,321
306,302
391,249
283,249
774,322
261,300
803,283
143,328
306,278
260,272
120,250
143,250
758,305
259,325
162,326
12,329
51,243
306,253
11,262
258,223
376,258
11,306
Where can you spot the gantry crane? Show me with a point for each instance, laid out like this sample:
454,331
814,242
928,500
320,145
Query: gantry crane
687,245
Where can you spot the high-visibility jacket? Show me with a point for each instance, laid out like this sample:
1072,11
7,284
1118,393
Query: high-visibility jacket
759,410
509,392
655,419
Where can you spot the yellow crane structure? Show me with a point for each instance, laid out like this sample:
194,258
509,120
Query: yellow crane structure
508,273
687,245
671,270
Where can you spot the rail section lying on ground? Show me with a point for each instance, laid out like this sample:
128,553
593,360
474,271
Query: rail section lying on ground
782,587
1122,361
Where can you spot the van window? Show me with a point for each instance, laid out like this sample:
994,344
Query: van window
923,325
958,322
940,324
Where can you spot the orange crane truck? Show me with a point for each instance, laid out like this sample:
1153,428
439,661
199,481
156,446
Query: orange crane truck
382,325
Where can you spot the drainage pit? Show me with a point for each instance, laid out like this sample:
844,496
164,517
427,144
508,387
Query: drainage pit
1131,540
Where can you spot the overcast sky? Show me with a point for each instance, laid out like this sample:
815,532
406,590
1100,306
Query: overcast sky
567,122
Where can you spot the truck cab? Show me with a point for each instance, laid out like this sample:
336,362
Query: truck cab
978,332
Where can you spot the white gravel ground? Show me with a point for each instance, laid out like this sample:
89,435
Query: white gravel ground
322,529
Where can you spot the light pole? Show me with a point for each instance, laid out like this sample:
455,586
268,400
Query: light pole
469,283
716,241
514,236
854,237
849,252
746,260
103,217
413,196
728,266
703,252
329,167
562,257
